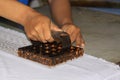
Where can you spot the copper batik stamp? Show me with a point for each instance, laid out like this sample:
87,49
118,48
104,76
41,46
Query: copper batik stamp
51,53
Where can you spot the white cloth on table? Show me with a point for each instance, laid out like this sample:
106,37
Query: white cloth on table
13,67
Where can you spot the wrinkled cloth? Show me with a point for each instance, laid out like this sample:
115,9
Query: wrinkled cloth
13,67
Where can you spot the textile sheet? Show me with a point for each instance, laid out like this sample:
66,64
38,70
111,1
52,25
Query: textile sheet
13,67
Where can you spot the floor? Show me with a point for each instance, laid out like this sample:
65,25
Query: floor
100,30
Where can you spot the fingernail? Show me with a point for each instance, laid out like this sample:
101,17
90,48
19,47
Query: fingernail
44,41
81,46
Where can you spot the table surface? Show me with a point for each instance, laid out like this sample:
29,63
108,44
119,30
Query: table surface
13,67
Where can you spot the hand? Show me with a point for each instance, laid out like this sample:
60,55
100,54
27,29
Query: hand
75,34
39,28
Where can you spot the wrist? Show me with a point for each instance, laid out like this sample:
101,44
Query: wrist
29,16
66,25
66,22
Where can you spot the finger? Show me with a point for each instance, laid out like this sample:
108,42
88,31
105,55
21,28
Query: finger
31,37
51,39
31,34
47,33
73,36
83,43
40,33
54,28
78,41
34,35
41,36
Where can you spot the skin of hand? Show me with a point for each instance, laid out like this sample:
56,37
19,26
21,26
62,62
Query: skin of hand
63,17
39,28
75,34
36,25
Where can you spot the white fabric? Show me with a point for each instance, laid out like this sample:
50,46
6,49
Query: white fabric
13,67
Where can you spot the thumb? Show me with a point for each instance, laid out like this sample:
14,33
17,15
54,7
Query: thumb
55,27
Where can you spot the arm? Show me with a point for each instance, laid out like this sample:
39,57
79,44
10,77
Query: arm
61,11
36,25
15,11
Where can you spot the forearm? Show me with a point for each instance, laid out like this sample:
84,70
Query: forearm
15,11
61,11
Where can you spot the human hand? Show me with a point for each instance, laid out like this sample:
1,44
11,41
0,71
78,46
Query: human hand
75,34
39,28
